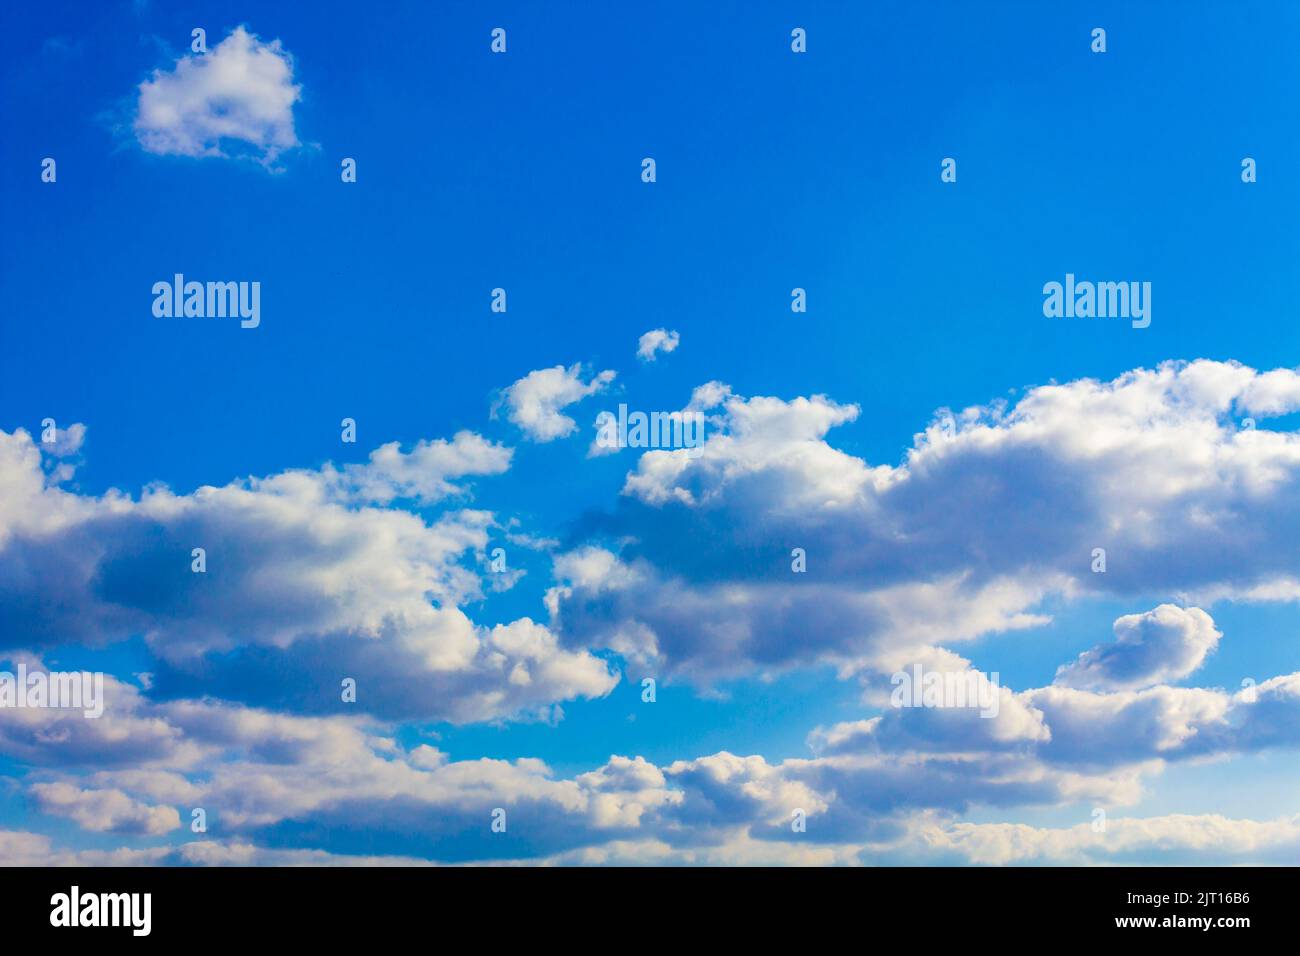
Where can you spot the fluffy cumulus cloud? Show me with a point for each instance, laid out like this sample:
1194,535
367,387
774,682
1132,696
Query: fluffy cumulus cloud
1162,645
655,341
366,570
1085,731
535,402
236,99
422,474
992,512
307,583
102,810
886,789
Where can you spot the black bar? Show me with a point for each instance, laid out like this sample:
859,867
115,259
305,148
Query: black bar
532,905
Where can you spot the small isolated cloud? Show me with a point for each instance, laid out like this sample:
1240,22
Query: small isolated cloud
655,341
236,100
67,441
1165,644
534,402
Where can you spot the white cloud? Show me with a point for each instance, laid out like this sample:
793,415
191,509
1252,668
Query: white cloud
1178,839
1162,645
22,848
655,341
534,402
1088,731
422,474
1172,840
304,582
880,790
131,733
308,580
976,528
67,441
104,810
237,99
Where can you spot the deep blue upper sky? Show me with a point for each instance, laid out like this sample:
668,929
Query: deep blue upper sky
522,171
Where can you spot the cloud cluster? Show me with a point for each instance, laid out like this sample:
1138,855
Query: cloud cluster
101,810
993,511
307,583
883,790
889,788
318,574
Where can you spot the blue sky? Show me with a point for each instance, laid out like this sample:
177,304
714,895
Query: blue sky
774,170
